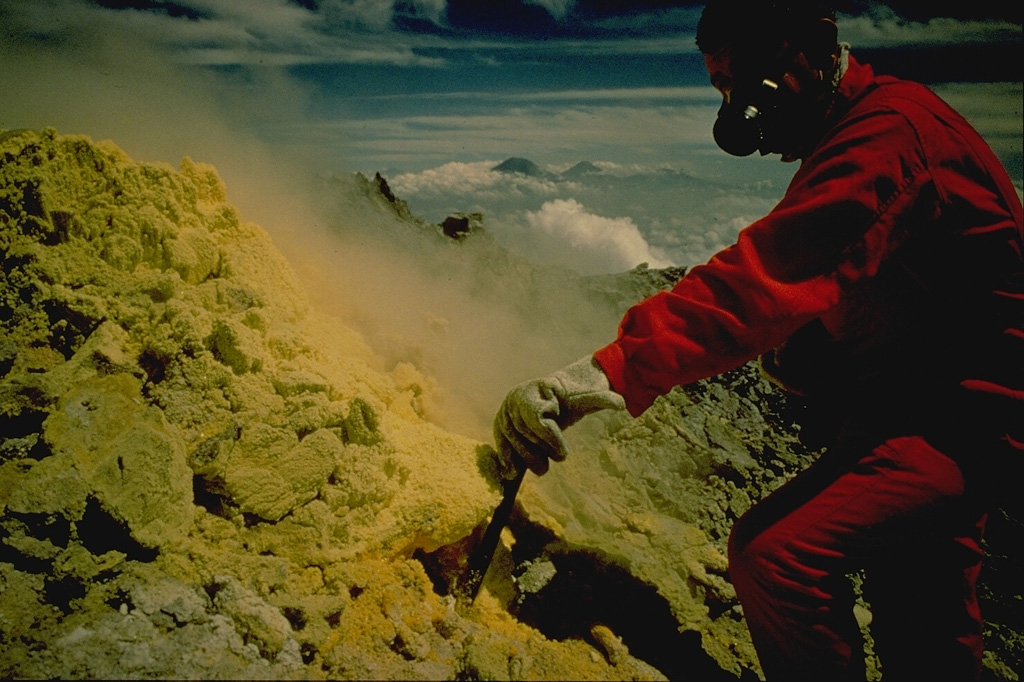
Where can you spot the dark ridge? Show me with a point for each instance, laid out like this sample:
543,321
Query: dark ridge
586,591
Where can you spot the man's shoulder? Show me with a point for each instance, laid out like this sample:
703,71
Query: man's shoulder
892,106
863,89
890,92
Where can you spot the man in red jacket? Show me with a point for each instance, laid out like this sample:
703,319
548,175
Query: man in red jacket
886,290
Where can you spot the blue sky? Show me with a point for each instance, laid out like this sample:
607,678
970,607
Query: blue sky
433,93
408,85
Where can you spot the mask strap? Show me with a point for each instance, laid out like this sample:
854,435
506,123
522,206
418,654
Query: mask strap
844,64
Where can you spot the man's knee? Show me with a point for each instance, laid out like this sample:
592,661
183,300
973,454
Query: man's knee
754,553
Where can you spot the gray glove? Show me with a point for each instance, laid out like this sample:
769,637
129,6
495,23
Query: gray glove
528,427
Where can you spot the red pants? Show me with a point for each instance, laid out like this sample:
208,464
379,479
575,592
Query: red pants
900,514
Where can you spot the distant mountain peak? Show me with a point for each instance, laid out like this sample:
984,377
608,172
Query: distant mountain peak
520,165
580,169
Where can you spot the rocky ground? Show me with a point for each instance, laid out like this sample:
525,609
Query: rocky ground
204,475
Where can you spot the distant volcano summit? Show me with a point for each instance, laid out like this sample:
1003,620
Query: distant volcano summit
521,166
581,169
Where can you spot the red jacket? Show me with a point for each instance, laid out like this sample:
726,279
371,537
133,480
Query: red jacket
889,274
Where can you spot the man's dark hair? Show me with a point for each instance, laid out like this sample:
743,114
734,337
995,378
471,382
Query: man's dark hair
759,22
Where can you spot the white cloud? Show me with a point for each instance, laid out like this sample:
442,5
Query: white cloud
557,8
451,177
373,14
545,134
432,9
275,32
690,94
470,179
563,233
681,20
883,28
238,32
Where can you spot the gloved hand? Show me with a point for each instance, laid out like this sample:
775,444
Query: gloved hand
528,427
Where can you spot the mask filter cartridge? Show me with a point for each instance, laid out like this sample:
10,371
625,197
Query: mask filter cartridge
739,128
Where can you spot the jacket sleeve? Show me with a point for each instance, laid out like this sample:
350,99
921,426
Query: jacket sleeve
836,222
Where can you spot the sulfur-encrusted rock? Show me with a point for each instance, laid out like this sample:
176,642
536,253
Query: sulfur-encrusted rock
201,476
126,455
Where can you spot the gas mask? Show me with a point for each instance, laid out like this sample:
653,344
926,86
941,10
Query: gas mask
744,123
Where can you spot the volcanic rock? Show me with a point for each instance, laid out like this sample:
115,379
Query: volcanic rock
203,475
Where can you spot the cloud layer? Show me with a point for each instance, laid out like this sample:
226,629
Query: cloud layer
429,32
563,233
